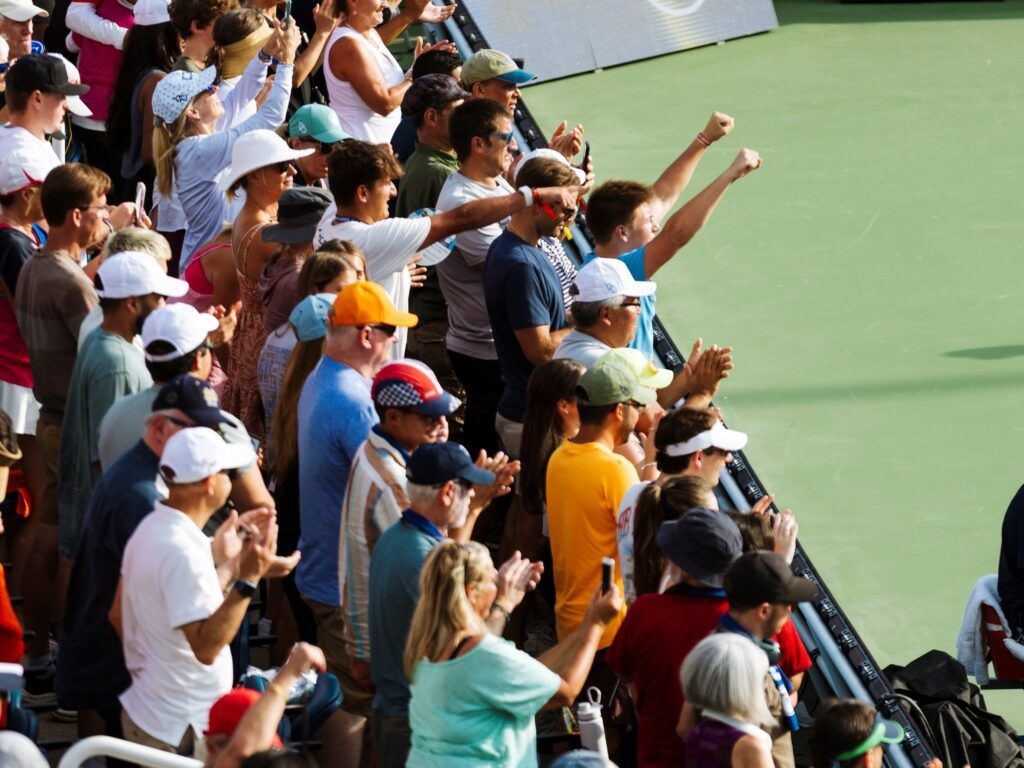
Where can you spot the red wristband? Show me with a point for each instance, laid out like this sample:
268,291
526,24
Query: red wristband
703,139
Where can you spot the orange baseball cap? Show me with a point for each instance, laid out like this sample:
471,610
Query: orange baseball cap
366,303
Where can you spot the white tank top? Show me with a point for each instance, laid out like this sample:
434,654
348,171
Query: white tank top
357,119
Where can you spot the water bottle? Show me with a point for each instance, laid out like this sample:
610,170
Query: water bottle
588,715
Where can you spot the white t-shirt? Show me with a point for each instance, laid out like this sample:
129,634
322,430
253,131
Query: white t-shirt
624,538
461,275
169,580
387,245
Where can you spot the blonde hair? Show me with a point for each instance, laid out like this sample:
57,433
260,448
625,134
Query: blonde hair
444,611
166,137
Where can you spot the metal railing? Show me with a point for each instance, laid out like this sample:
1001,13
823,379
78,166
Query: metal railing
107,746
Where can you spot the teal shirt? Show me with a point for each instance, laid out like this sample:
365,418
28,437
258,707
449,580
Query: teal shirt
478,709
107,369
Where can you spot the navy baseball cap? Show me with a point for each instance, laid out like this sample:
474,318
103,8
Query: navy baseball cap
437,463
194,397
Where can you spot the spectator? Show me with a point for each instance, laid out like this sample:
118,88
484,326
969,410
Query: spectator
361,177
696,442
179,604
849,733
430,103
501,689
770,532
585,484
442,486
624,216
53,297
151,48
365,84
91,671
193,21
1011,565
334,417
490,74
723,678
660,630
190,156
762,591
36,89
605,309
436,62
16,27
412,408
316,127
261,165
524,297
238,37
130,286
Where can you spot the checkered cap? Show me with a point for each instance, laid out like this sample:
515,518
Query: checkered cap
411,384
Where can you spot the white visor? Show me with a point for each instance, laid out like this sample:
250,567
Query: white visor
718,436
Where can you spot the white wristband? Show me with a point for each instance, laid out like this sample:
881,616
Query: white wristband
527,194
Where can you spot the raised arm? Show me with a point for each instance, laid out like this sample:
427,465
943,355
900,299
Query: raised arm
310,59
673,180
82,19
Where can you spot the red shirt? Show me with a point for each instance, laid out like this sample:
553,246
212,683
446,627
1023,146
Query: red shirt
794,655
656,635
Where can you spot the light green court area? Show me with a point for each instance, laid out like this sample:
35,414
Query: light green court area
868,276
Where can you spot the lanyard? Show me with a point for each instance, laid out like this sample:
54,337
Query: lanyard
779,678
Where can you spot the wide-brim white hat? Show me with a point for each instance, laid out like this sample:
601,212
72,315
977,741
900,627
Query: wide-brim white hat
255,150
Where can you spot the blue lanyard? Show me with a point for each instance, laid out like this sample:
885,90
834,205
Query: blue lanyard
779,678
420,522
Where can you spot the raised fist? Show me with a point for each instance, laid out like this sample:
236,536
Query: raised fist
746,161
718,125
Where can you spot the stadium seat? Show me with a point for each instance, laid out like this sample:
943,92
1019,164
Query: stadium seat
1009,670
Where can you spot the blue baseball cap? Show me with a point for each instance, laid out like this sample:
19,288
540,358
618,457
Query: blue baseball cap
194,397
309,318
437,463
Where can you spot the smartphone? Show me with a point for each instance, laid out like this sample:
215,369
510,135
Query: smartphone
140,201
607,567
287,13
586,155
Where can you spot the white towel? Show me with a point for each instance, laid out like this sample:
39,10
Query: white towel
970,649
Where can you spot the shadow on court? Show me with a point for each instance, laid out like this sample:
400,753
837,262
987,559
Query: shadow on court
988,353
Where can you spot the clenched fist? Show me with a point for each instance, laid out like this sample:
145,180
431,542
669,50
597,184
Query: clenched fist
746,161
718,125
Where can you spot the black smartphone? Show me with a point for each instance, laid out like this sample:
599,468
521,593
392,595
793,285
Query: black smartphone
607,567
586,155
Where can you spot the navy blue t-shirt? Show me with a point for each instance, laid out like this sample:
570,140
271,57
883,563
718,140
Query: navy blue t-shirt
403,141
522,290
91,671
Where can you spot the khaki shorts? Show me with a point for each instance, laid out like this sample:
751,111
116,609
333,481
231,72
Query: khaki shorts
191,745
330,636
48,440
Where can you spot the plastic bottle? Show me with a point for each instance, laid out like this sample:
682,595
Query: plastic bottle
588,715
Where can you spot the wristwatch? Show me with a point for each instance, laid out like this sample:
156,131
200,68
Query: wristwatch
245,588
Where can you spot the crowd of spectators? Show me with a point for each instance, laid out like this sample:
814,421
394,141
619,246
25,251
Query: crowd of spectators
335,355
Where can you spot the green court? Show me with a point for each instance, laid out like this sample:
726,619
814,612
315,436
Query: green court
867,276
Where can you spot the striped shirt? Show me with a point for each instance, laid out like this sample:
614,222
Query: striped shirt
374,499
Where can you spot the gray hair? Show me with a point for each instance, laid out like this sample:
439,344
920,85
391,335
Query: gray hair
139,239
726,672
585,314
421,495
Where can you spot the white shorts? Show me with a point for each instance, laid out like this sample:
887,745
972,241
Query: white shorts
20,404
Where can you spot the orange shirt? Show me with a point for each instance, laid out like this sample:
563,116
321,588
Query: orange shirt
585,484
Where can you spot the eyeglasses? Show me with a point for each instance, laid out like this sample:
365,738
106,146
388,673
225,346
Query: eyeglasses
211,90
179,422
639,406
506,136
324,148
104,208
387,330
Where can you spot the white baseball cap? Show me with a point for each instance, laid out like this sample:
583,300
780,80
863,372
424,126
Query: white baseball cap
150,12
181,326
132,273
20,10
75,104
197,453
602,278
24,166
257,149
177,89
550,154
718,436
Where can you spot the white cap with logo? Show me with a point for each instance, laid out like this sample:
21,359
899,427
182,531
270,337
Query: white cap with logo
181,326
603,278
132,273
197,453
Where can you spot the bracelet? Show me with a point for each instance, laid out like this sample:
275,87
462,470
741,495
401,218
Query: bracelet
647,464
502,611
529,195
266,58
703,139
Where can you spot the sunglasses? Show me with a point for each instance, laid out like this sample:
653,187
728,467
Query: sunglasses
179,422
506,136
282,167
324,148
628,303
639,406
387,330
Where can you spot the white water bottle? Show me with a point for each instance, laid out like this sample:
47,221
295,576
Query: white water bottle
588,715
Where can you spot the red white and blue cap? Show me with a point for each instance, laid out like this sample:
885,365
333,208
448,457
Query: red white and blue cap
411,384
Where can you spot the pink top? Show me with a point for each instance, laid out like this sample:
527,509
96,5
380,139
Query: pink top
99,63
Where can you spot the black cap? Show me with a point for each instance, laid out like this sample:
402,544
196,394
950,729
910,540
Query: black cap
765,577
703,542
194,397
437,463
431,92
39,72
299,210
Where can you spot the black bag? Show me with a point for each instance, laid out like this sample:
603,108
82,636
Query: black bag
961,730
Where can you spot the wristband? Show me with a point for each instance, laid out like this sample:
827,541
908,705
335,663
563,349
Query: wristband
703,139
245,588
266,58
528,195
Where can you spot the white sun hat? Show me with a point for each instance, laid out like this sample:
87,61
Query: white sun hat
75,104
718,436
255,150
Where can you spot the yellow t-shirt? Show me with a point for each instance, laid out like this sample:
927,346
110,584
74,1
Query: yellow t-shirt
585,484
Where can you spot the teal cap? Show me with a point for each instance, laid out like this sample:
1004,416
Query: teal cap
317,122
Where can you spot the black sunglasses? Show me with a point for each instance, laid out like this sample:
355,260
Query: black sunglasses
387,330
